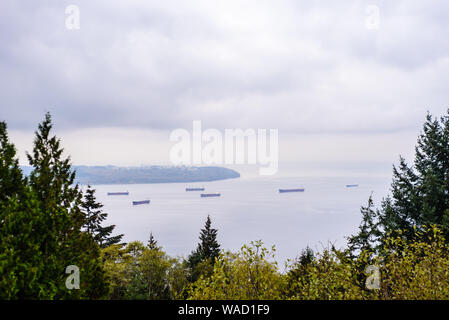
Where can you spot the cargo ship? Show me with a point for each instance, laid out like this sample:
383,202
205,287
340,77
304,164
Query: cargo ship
195,189
291,190
205,195
352,185
135,203
118,193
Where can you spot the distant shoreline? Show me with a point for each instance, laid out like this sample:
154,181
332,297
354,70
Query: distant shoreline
97,175
83,183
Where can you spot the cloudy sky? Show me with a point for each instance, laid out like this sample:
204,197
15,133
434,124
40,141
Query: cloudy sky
342,81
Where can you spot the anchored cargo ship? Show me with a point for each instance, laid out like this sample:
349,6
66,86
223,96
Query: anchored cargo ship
291,190
205,195
195,189
135,203
118,193
351,185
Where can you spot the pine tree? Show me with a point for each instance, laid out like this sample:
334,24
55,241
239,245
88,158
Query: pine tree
52,177
203,258
208,246
22,264
419,192
20,217
11,178
432,166
367,237
152,243
94,218
63,243
306,257
192,263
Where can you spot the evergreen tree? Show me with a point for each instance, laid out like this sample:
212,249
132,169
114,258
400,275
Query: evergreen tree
208,249
63,243
306,257
152,243
52,177
94,218
369,232
21,264
432,166
419,192
208,246
299,271
193,261
11,178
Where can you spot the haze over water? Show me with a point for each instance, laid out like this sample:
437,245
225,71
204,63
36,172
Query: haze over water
248,209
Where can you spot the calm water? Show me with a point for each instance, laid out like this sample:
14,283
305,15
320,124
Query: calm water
248,209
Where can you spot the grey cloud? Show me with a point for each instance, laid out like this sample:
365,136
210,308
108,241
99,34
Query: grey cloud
301,66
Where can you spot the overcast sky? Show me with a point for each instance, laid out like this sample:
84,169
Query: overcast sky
335,86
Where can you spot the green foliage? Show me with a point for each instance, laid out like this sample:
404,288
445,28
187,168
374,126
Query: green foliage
116,262
248,274
152,243
409,270
367,238
208,246
138,272
177,279
306,257
94,218
52,178
419,193
417,269
11,178
329,275
41,226
21,262
202,259
154,265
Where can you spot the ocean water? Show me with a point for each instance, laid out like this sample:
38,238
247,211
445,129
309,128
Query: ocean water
248,209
